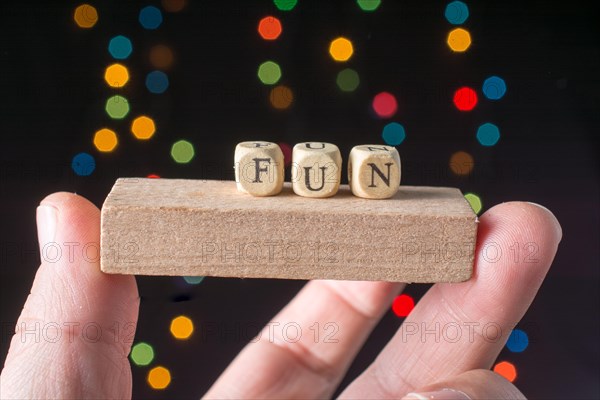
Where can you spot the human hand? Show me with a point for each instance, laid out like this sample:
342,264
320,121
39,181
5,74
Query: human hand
74,292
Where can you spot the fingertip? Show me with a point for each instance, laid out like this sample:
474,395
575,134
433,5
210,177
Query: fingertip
525,218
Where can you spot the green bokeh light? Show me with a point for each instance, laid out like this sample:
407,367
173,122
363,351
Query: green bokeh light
142,354
285,5
269,73
368,5
475,202
117,107
348,80
193,280
182,151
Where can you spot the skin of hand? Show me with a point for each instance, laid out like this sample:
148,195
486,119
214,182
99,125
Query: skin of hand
72,294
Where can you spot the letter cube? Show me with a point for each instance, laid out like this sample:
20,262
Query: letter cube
374,171
316,169
259,168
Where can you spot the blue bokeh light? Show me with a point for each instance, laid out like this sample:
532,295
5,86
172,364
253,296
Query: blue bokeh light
488,134
150,17
393,134
157,82
517,341
494,88
83,164
120,47
456,12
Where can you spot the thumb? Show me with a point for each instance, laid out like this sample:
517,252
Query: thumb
474,384
76,328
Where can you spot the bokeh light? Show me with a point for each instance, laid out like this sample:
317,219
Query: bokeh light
269,73
161,56
182,151
403,305
368,5
105,140
456,12
157,82
488,134
143,127
461,163
286,149
474,202
193,280
173,5
159,378
341,49
507,370
465,99
150,17
281,97
142,354
459,40
285,5
153,176
385,105
120,47
85,16
117,107
393,134
269,28
494,88
182,327
116,75
517,341
348,80
83,164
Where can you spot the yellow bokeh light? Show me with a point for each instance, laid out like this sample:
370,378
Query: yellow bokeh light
159,377
105,140
459,39
116,75
85,16
182,327
341,49
143,127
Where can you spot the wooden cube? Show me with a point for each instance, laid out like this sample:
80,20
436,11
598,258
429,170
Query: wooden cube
374,171
316,169
259,168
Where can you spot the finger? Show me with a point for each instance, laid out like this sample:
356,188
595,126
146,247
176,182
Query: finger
75,331
474,384
307,348
459,327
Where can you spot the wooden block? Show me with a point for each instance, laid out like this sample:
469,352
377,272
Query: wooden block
316,169
259,168
374,171
193,227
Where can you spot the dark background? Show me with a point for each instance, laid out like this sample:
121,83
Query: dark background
53,96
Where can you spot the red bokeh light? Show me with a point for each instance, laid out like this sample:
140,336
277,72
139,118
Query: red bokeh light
465,99
385,105
403,305
269,28
153,176
286,149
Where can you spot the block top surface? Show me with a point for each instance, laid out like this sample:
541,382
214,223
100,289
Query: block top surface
223,195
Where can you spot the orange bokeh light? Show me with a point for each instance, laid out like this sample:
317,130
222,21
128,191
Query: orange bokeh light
507,370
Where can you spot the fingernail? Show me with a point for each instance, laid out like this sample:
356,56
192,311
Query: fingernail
556,223
47,219
444,394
